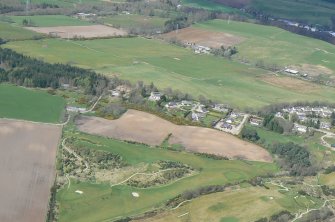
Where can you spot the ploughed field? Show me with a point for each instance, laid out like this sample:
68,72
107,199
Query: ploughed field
90,31
27,169
146,128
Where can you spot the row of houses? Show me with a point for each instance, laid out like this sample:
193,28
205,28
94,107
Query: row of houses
304,111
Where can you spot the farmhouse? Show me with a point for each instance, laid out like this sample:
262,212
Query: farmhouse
155,96
291,71
255,121
299,128
220,108
75,109
171,105
198,49
115,93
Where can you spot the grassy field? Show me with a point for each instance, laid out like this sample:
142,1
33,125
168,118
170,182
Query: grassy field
101,202
209,5
308,11
277,46
134,21
49,20
171,66
244,205
12,32
19,103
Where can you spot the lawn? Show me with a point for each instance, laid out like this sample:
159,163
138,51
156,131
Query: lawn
101,202
277,46
13,32
134,21
49,20
27,104
171,66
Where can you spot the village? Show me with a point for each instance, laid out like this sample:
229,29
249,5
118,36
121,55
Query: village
222,117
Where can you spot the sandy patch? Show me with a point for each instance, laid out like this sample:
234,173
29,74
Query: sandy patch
90,31
290,83
204,37
313,70
27,162
149,129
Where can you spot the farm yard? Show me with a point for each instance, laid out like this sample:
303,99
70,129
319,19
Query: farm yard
90,31
155,61
146,128
203,37
27,169
29,104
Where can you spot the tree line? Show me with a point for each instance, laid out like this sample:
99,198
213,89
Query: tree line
25,71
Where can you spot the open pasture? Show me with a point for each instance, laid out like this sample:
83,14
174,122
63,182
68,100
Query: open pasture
204,37
134,21
12,32
277,46
244,205
49,20
26,169
90,31
28,104
146,128
171,66
101,202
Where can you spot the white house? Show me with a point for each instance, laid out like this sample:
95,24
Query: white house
155,96
292,71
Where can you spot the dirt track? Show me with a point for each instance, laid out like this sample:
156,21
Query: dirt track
27,160
90,31
204,37
146,128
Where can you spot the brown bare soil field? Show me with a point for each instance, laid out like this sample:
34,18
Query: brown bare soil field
291,83
204,37
90,31
149,129
27,161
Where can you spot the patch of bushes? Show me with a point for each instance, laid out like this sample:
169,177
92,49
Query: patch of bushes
212,156
249,134
294,158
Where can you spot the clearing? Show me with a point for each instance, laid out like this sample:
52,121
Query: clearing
90,31
147,128
29,104
27,169
204,37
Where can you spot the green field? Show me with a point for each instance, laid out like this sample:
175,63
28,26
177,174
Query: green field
101,202
12,32
277,46
20,103
49,20
244,205
134,21
171,66
308,11
209,5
